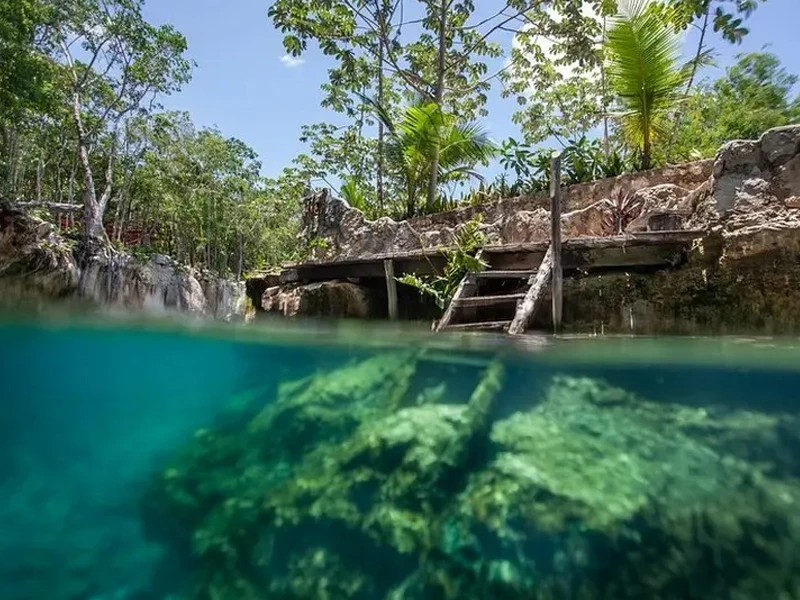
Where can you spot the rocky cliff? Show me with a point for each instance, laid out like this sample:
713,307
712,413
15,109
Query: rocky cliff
336,231
37,264
742,275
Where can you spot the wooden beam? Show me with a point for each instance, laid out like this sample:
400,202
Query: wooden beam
533,296
467,287
391,287
513,274
478,301
555,238
480,325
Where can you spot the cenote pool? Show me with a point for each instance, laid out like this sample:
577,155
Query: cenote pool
155,460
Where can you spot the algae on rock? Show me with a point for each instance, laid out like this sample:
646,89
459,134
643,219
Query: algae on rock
354,484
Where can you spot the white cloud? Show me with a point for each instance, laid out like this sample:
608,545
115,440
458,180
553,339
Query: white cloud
292,61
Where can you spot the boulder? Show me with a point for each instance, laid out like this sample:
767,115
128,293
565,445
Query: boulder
36,263
658,220
740,156
780,144
667,196
334,299
112,278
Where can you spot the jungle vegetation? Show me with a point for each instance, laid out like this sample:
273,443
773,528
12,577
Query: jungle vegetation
604,81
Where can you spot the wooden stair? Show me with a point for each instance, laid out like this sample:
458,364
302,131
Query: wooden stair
508,311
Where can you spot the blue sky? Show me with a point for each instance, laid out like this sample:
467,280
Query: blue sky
242,86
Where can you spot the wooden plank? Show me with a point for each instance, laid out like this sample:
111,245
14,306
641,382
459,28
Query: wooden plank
537,287
391,287
421,265
555,239
453,359
619,257
467,287
480,325
513,274
682,236
477,301
611,251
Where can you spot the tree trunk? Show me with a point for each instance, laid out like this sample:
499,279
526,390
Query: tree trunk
92,216
606,141
240,261
379,176
438,98
39,179
383,40
646,150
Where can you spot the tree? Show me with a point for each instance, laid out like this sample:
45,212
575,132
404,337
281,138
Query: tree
434,49
426,137
755,94
726,17
131,62
554,69
25,70
644,74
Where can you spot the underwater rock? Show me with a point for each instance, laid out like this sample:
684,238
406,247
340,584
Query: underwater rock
345,487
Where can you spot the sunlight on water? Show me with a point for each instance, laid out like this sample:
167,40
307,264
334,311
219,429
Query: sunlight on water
184,460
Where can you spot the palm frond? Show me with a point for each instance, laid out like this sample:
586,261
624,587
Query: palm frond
643,69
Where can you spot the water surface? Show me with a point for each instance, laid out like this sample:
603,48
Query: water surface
176,459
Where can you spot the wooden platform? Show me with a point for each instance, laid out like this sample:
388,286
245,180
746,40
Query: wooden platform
646,249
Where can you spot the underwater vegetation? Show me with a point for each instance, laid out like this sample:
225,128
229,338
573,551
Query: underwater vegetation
377,481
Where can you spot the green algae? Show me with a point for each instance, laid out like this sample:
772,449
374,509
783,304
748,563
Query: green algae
355,484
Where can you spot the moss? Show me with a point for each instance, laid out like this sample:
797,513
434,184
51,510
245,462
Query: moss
758,293
587,492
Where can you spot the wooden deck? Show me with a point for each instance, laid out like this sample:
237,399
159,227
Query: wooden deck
645,249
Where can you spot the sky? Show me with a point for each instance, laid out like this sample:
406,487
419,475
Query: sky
245,85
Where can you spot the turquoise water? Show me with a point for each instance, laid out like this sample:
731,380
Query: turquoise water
152,460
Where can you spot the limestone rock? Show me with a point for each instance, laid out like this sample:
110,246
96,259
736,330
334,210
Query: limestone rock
666,196
787,178
526,226
160,284
335,299
658,220
781,144
739,156
35,262
337,230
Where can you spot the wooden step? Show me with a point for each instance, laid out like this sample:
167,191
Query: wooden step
488,300
481,325
515,274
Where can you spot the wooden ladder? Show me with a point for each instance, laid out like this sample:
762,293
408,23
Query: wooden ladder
472,301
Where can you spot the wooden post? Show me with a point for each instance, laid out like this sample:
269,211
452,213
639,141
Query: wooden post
391,287
537,285
555,239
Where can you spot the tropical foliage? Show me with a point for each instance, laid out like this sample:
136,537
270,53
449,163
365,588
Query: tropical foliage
602,82
645,74
425,138
461,259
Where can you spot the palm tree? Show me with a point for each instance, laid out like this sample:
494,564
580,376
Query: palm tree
644,72
423,132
